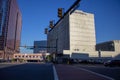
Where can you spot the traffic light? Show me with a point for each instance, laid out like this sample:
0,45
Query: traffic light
46,30
60,12
51,24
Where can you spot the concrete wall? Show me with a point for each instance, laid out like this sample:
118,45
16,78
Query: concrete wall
75,33
117,45
82,31
110,48
80,56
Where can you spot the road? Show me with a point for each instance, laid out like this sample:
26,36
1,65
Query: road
113,72
28,71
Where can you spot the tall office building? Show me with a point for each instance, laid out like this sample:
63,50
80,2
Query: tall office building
10,28
75,33
40,46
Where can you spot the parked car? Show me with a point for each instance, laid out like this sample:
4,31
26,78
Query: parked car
112,63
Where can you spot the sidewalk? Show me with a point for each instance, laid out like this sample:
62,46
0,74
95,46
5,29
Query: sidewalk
4,65
68,72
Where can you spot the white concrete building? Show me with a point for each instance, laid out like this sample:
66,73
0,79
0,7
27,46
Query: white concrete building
109,48
74,35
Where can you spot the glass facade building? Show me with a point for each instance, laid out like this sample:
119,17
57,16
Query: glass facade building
10,27
40,46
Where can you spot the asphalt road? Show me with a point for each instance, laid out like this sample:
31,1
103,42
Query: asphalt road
29,71
113,72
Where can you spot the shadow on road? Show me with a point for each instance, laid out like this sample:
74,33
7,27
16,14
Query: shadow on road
27,71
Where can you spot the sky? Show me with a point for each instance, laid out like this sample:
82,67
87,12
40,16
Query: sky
36,15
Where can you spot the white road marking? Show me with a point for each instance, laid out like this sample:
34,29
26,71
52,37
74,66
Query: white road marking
55,73
95,73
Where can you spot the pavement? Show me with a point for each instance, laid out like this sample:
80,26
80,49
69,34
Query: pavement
26,71
69,72
4,65
35,71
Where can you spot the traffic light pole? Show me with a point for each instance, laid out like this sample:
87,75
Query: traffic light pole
56,50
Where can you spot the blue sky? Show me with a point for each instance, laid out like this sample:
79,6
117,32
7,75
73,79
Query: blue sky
36,15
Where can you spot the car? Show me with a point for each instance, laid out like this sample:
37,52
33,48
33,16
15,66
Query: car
112,63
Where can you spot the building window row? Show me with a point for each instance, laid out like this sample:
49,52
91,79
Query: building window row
76,49
23,56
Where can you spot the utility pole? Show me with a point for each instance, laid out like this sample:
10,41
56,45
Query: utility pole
56,50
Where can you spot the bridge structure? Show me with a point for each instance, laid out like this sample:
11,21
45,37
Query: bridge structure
39,57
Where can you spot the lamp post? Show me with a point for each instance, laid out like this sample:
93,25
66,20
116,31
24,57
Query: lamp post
4,53
56,49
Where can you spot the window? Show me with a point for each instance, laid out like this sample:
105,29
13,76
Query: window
76,49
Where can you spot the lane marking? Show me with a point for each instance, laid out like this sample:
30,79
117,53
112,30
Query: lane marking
95,73
101,66
98,67
55,73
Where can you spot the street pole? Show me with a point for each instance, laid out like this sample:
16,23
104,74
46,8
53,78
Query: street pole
56,50
4,53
